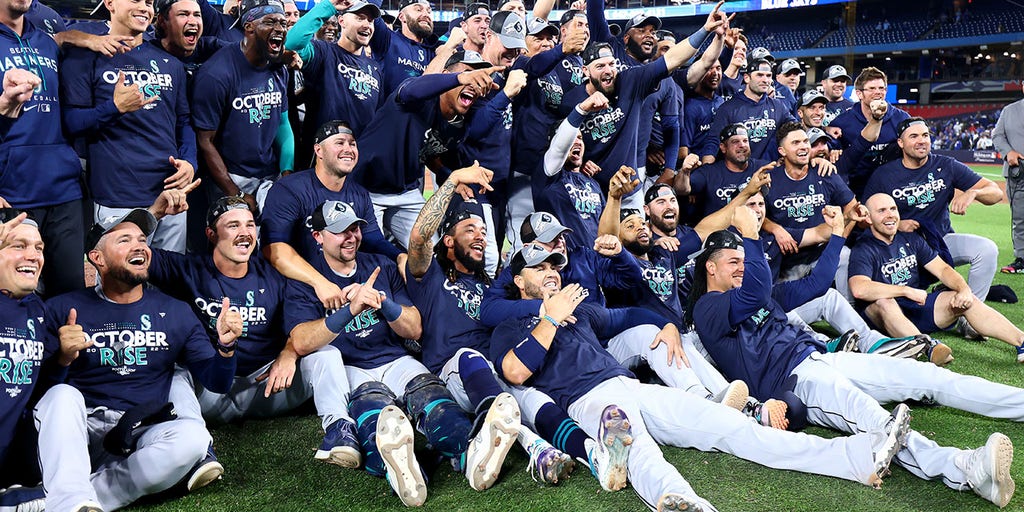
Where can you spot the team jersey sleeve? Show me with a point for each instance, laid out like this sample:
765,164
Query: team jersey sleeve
756,291
300,36
505,337
495,307
963,177
621,271
303,305
925,252
282,213
399,293
599,30
792,294
380,43
169,271
609,322
841,193
862,262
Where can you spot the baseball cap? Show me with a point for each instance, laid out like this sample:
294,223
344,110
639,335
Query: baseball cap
9,214
789,65
161,6
406,3
510,28
663,35
541,227
626,213
761,53
362,5
250,10
658,190
330,129
334,216
536,26
139,216
476,9
615,29
222,206
731,131
641,20
815,134
458,212
596,50
811,96
837,71
755,63
467,57
722,239
531,255
907,123
568,15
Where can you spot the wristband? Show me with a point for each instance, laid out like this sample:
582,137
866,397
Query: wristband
531,353
226,349
336,321
697,38
552,320
391,310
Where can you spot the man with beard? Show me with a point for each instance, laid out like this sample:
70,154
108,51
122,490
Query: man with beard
924,186
566,360
328,31
404,53
241,114
747,334
635,44
179,31
702,101
611,134
340,82
117,386
756,110
420,121
271,377
833,86
885,276
369,332
475,23
713,186
135,99
870,87
289,245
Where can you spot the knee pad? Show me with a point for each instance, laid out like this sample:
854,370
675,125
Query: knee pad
796,411
437,415
365,404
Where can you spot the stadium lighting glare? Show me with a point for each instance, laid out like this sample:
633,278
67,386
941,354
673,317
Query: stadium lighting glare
870,55
888,58
1013,55
1006,54
913,89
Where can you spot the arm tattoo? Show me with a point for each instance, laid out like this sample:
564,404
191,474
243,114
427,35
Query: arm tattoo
430,218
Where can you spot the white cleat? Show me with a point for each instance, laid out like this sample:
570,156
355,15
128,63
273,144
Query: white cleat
895,437
609,455
487,451
395,445
988,470
672,502
734,395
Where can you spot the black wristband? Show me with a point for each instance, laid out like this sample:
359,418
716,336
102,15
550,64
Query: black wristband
226,349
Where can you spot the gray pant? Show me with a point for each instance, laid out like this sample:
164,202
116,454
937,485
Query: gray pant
983,256
320,375
1015,192
71,443
396,213
834,309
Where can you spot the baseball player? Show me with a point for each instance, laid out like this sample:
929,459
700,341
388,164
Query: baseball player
112,418
748,337
885,276
833,86
565,360
713,185
406,52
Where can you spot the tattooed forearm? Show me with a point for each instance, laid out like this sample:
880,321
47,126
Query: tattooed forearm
429,219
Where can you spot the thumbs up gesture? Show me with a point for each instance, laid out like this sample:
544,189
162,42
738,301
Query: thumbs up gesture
72,339
229,325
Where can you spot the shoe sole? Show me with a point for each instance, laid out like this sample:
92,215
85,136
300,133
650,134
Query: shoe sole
557,469
344,456
205,475
676,502
909,349
852,343
395,445
1001,454
736,395
615,435
488,449
895,441
941,355
776,411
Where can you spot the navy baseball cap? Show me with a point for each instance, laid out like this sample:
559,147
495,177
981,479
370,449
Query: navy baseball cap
642,20
626,213
665,35
458,212
222,206
907,123
722,239
731,131
815,134
537,26
811,97
334,216
761,53
9,214
596,50
658,190
531,255
837,71
139,216
510,29
568,16
406,3
330,129
467,57
756,63
476,9
541,227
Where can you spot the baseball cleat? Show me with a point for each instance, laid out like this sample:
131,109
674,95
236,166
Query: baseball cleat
609,454
548,465
939,353
734,395
672,502
1020,354
87,506
395,445
205,471
487,450
908,347
1016,267
895,437
772,413
22,499
340,445
846,342
969,333
988,470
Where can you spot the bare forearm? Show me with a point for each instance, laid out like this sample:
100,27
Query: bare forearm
290,264
430,217
865,289
409,324
953,280
311,336
608,224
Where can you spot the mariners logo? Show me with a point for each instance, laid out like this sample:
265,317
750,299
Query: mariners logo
362,84
151,82
467,299
257,104
920,195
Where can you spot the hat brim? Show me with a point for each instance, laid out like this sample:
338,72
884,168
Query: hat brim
649,20
374,10
847,77
551,29
510,42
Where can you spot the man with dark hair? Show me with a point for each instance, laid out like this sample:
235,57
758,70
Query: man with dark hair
405,52
833,86
713,186
756,110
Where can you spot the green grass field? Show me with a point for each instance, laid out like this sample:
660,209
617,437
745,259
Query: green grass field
269,464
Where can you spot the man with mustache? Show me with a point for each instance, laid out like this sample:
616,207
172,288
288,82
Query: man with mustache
241,114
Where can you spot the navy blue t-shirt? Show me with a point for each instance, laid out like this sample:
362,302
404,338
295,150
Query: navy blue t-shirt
834,108
699,115
128,156
923,194
290,205
898,263
657,290
761,118
400,58
135,347
797,204
340,85
367,340
45,18
576,200
24,345
660,112
714,185
852,121
451,314
244,105
258,297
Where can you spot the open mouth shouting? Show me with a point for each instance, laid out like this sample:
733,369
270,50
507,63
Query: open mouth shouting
243,244
275,43
467,96
190,35
139,260
28,270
